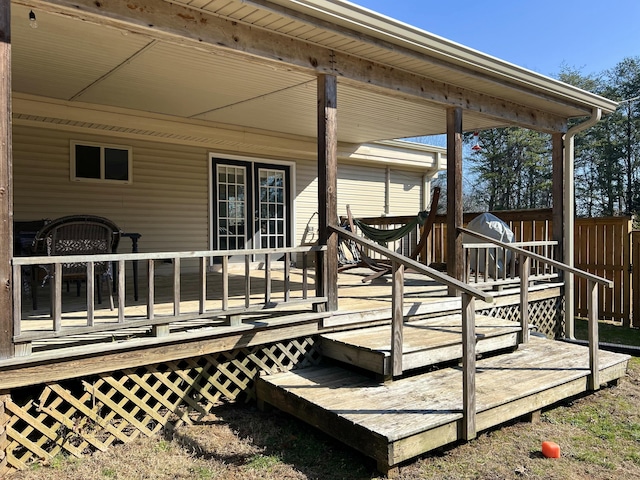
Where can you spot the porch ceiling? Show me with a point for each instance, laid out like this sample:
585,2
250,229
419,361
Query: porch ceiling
75,60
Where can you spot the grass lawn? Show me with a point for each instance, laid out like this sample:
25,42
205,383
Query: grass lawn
609,333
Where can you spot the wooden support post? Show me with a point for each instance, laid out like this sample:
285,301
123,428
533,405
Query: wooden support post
233,320
397,318
468,367
455,266
534,417
525,263
6,192
327,270
160,330
592,308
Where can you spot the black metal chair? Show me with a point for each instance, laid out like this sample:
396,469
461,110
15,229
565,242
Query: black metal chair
76,235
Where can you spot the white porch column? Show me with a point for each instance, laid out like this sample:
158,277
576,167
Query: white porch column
569,218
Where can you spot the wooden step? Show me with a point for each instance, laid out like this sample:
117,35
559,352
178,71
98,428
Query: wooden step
396,421
426,342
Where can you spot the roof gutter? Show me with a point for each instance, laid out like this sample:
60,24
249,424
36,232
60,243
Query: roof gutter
377,25
569,216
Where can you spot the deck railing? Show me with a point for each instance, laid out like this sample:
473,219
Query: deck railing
543,268
485,264
526,257
160,324
468,295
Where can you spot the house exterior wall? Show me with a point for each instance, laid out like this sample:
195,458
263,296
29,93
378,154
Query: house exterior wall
167,200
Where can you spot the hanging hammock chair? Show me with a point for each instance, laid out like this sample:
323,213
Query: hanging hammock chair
384,236
350,255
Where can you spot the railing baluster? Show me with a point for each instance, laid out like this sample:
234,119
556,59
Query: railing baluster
122,288
486,264
90,293
305,277
267,278
397,294
225,282
89,324
203,285
176,286
287,277
151,288
247,281
56,297
17,299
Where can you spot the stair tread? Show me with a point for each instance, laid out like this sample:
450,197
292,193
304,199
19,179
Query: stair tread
422,334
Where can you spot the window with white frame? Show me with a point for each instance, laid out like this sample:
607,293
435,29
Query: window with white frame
101,162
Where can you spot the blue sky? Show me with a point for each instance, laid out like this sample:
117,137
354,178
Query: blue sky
541,35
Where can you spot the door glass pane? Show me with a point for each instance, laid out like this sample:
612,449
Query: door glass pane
231,207
272,193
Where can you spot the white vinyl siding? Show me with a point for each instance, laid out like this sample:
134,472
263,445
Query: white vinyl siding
405,196
167,203
363,188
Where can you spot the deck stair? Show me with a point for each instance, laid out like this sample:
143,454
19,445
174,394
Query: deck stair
395,421
426,342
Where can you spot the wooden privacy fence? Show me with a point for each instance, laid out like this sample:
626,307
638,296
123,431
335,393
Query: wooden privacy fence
603,247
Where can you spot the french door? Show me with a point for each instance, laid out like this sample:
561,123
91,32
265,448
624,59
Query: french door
252,205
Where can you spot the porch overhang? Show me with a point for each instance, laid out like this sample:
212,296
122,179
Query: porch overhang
253,65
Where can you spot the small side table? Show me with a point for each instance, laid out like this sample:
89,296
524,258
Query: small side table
134,249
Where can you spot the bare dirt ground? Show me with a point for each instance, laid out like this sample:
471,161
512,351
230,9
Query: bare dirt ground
599,436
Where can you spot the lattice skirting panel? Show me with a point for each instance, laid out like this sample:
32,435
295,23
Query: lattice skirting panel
80,416
545,314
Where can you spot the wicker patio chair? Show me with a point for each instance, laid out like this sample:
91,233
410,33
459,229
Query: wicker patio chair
76,235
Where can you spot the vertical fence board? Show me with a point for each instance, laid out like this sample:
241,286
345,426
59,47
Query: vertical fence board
635,260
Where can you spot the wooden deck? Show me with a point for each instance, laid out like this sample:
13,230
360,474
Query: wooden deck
396,421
